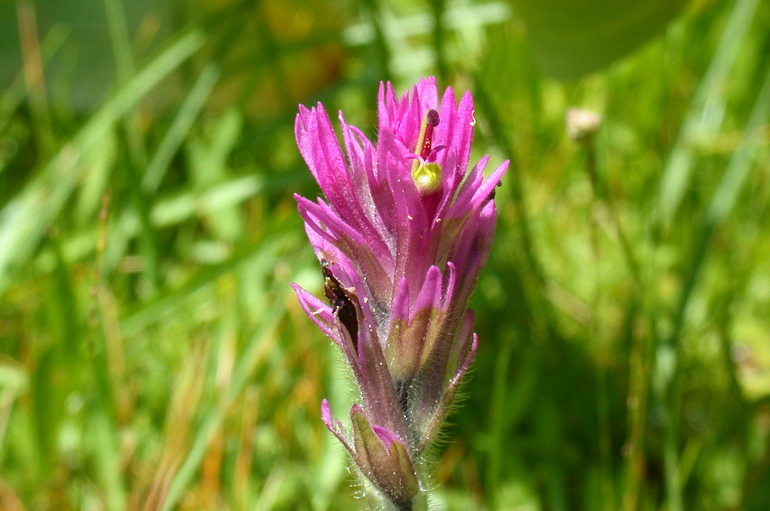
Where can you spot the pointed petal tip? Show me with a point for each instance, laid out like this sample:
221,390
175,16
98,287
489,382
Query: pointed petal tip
430,294
497,175
503,167
329,422
434,272
400,308
356,410
463,365
386,436
326,411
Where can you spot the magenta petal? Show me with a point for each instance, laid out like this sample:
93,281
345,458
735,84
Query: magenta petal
318,312
387,436
489,184
469,187
339,230
430,294
463,130
333,230
400,307
335,426
320,149
388,105
326,415
343,189
427,90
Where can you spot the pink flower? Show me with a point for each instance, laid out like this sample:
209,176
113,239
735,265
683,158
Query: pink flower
401,236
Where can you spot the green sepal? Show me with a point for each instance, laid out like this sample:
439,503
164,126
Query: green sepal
388,467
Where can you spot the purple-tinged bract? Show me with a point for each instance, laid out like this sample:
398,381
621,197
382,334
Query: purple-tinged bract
401,237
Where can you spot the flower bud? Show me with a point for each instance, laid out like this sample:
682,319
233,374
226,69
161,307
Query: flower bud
582,124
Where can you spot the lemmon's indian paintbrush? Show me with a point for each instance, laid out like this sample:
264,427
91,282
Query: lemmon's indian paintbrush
401,237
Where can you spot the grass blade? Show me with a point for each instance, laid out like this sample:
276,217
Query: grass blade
24,220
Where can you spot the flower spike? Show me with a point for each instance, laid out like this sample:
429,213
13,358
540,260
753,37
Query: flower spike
401,236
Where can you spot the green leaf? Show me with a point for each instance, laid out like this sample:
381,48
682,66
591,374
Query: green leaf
25,219
571,38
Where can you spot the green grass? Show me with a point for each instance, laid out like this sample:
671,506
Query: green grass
152,355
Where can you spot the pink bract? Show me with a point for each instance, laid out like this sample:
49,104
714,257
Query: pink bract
402,234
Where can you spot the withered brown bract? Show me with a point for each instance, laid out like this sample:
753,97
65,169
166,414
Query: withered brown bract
343,301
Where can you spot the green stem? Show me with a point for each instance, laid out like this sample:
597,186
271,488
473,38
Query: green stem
438,7
642,349
380,41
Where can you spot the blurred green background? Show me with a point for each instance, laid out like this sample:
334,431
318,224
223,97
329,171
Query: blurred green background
152,355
